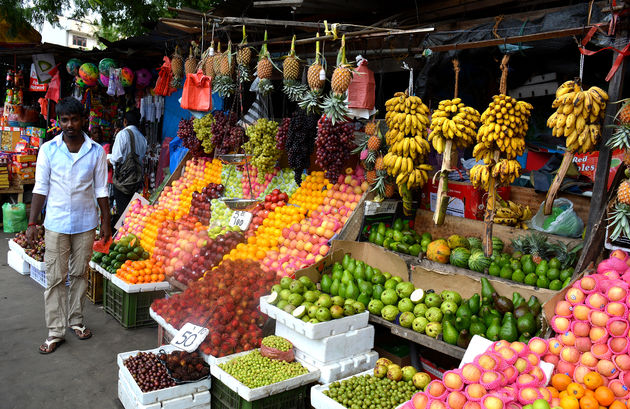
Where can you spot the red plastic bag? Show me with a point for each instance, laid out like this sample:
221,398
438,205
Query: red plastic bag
163,83
101,246
362,89
54,88
273,353
197,94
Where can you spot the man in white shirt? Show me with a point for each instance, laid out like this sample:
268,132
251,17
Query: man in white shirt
71,178
120,150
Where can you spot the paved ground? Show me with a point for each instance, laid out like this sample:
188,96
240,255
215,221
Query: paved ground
80,374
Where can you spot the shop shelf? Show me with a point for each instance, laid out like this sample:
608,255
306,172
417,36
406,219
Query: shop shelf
131,310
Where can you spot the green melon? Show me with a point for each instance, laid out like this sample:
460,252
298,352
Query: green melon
497,245
456,240
459,257
474,242
478,261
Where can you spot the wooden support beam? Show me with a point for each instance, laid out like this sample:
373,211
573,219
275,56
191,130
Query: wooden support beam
278,3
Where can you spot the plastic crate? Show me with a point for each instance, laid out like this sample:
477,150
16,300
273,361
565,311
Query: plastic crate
130,310
95,286
225,398
40,277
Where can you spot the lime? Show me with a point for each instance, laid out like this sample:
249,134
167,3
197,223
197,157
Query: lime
518,276
531,279
555,263
542,282
426,236
553,274
515,264
494,269
506,272
555,285
542,268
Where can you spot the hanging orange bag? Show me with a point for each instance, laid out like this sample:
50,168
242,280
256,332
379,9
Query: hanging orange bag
197,93
362,89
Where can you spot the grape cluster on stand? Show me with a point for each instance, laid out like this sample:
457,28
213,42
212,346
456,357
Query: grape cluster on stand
203,130
378,393
227,136
334,143
37,250
262,146
283,131
186,132
148,372
185,366
254,370
300,142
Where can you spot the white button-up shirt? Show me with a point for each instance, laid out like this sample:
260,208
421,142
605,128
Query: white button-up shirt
122,145
71,185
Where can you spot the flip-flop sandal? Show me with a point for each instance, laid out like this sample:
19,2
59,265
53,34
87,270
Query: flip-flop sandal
81,331
50,345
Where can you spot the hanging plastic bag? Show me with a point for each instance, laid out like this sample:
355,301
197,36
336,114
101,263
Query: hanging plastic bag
14,217
163,83
362,89
197,92
563,220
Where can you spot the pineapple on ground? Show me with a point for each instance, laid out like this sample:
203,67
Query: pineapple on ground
265,69
223,83
243,60
334,105
293,87
310,99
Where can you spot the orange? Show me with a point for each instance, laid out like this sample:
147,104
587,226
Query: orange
569,402
588,392
560,381
553,391
575,389
588,402
593,380
617,405
604,395
563,394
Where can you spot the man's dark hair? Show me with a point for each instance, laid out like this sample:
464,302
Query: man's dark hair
132,117
69,106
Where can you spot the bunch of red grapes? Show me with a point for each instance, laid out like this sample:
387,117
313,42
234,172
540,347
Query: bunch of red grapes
186,132
333,146
200,205
148,372
227,136
283,132
36,251
226,301
275,199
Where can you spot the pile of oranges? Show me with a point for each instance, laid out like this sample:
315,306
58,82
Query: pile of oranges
152,225
592,394
141,271
311,192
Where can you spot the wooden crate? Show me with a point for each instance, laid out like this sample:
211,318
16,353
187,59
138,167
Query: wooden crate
95,286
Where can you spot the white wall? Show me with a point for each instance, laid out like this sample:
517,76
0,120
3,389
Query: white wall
62,34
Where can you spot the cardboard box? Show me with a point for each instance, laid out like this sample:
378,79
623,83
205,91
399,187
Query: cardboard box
587,164
465,200
549,307
25,158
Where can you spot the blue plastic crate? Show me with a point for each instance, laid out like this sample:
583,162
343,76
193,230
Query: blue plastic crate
40,277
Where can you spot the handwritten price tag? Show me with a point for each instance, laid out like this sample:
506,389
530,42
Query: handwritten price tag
241,219
189,337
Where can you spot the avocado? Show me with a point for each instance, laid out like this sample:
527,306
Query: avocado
509,331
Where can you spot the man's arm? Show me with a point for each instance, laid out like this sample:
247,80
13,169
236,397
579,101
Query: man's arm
37,205
40,192
117,154
106,223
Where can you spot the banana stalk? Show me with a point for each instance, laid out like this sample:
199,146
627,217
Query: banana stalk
442,196
567,159
491,208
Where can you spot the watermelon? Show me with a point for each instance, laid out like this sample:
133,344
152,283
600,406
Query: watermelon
459,257
474,242
497,245
478,261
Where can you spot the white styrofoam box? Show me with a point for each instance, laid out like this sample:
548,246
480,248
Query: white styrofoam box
16,247
145,398
341,369
264,391
16,262
314,331
197,400
478,345
139,288
40,265
101,270
333,348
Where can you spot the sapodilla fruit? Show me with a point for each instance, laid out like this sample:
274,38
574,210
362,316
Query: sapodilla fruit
538,346
563,308
596,301
575,296
471,373
588,360
456,400
606,368
580,328
581,312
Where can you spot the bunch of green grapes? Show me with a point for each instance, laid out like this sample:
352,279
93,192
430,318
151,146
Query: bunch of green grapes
262,146
203,130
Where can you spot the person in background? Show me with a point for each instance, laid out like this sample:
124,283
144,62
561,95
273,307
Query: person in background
96,133
120,150
71,178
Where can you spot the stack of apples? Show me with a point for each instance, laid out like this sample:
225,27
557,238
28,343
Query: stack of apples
273,200
250,178
231,177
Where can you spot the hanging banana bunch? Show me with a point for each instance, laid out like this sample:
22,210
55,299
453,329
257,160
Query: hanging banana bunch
453,120
407,120
578,116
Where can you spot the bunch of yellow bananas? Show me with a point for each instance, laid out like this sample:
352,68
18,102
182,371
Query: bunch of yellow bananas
405,116
406,171
453,120
512,214
578,116
505,171
480,176
504,125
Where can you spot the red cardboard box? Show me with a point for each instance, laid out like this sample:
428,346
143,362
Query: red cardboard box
465,200
587,164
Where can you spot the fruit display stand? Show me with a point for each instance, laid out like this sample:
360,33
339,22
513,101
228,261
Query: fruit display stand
140,288
131,310
255,397
16,248
342,368
195,393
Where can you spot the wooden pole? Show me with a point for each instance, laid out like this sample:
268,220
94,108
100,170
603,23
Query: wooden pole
567,158
447,156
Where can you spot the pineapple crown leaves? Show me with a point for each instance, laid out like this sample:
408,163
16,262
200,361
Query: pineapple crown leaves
618,219
264,53
292,51
244,41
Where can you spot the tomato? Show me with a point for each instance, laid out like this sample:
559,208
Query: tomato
283,196
268,198
274,198
275,192
268,205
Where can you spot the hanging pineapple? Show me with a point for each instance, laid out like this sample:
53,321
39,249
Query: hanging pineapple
190,66
208,61
620,213
316,78
334,105
216,61
293,87
177,67
265,70
243,60
223,83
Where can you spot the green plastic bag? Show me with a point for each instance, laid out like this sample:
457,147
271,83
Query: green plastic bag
14,217
563,220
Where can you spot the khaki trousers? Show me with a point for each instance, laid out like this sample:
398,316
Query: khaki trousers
66,252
